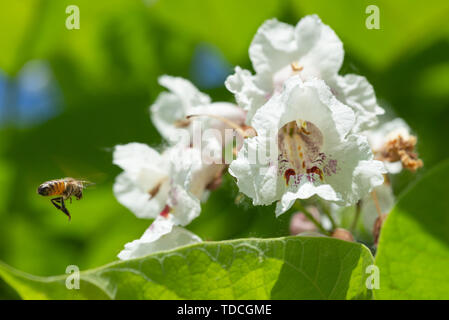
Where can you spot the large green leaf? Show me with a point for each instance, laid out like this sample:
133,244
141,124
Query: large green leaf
413,255
282,268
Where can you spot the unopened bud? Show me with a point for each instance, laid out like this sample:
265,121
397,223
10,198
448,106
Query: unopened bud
342,234
299,223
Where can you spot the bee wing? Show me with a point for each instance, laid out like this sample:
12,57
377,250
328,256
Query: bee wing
87,183
67,167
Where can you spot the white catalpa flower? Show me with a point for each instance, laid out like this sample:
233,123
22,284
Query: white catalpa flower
170,184
309,50
173,112
160,236
394,144
314,153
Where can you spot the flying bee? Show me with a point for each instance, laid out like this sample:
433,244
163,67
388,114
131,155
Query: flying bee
65,189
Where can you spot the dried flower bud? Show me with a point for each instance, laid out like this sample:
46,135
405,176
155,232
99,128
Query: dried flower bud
342,234
402,148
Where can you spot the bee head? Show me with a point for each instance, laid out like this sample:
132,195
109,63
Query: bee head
43,190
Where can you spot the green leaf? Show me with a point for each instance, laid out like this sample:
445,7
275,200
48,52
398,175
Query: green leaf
433,82
413,254
230,24
405,26
281,268
114,42
21,18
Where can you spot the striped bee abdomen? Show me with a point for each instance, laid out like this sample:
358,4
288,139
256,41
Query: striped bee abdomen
51,188
57,187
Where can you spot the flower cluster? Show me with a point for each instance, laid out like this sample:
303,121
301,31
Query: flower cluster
169,186
299,131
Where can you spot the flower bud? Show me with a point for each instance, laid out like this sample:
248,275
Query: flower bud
342,234
299,222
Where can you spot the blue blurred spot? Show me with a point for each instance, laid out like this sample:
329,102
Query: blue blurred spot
31,98
209,68
2,97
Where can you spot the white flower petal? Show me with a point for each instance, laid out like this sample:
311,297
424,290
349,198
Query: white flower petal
311,44
393,167
184,90
183,161
319,48
137,199
184,205
272,47
358,172
257,180
185,164
305,191
356,92
247,94
171,107
134,156
165,112
162,235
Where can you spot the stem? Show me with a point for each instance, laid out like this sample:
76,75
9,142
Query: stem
358,208
376,202
329,215
311,218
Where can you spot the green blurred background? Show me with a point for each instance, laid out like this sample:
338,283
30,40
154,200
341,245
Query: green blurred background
68,96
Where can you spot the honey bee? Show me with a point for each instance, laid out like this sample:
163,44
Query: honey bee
65,189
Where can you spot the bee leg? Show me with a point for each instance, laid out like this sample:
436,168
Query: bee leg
60,200
55,202
64,209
